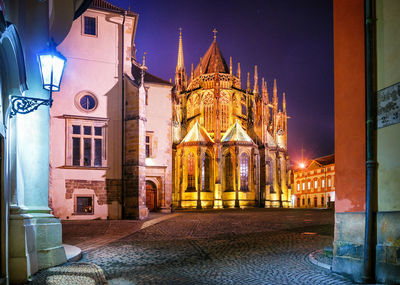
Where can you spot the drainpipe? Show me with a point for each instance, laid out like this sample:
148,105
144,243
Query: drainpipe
123,118
371,144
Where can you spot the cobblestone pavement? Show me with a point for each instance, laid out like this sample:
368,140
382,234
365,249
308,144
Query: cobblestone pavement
254,246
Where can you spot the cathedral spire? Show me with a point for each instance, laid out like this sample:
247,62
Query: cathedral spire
191,73
230,65
255,89
275,98
284,102
201,68
180,73
266,93
180,64
248,81
238,74
215,34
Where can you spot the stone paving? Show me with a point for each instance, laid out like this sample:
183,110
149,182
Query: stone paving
254,246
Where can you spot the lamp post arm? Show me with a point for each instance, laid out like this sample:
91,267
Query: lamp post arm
25,105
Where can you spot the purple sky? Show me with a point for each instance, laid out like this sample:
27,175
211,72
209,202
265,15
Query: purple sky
290,40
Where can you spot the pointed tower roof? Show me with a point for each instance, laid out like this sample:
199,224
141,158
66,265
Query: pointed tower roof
213,57
237,134
197,134
180,65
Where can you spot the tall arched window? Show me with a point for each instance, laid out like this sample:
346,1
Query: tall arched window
205,173
208,112
244,172
228,172
191,173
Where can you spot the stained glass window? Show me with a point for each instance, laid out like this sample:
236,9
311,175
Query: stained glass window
244,172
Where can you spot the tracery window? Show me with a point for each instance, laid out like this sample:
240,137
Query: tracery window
191,173
225,117
244,172
205,173
208,113
228,173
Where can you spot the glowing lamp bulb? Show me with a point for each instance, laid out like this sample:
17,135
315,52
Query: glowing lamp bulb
302,165
51,64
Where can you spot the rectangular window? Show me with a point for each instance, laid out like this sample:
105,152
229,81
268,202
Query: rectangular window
323,183
89,26
97,152
309,185
148,146
87,150
76,151
298,186
85,143
84,205
304,186
315,184
329,182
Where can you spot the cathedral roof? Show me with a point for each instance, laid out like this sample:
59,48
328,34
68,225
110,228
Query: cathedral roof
198,134
212,57
237,134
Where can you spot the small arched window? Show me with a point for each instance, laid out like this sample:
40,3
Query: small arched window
228,172
244,172
205,173
191,173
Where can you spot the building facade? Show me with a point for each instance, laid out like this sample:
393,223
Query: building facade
230,144
314,184
103,122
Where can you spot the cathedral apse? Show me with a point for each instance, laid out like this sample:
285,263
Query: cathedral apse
229,142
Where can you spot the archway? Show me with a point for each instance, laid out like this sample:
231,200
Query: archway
151,196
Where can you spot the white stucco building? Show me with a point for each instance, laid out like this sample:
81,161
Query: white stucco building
95,137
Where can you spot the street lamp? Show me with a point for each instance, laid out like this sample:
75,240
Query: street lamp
51,65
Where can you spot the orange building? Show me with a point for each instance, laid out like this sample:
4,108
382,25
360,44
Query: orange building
314,183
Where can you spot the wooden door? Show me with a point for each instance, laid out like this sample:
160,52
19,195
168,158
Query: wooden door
151,196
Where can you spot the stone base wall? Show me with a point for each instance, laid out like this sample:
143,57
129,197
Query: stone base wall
106,191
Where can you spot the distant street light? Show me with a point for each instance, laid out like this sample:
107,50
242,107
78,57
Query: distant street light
51,66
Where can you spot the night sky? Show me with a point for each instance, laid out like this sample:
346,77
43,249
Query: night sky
290,40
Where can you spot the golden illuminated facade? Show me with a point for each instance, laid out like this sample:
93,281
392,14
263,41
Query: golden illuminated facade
230,144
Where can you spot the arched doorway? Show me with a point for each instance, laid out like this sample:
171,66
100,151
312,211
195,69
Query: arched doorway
151,196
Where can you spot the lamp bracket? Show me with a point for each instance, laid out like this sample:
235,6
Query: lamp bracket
25,105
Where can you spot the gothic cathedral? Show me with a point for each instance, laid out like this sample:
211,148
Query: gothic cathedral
229,143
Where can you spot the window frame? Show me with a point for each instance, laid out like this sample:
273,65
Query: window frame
244,160
78,98
82,122
96,25
91,196
150,144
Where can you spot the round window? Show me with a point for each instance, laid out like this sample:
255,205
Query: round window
86,101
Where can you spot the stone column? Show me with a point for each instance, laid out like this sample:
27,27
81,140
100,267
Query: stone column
135,153
198,156
237,175
284,188
35,235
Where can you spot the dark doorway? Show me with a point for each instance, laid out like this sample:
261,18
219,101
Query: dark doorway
315,202
151,196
